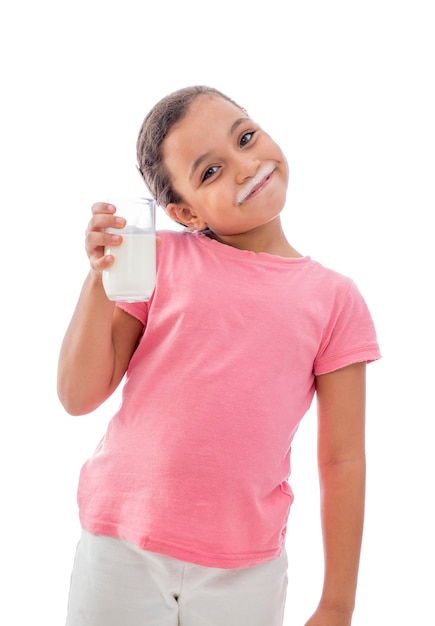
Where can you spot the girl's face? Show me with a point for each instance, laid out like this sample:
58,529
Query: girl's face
232,177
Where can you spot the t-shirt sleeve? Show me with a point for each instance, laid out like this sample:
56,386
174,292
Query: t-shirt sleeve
350,336
139,310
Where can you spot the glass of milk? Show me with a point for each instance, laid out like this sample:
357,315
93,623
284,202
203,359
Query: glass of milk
132,276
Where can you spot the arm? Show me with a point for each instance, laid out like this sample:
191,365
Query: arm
101,338
341,459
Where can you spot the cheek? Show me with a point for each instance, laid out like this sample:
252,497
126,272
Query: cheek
285,165
287,169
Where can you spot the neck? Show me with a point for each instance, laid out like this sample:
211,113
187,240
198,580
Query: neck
269,238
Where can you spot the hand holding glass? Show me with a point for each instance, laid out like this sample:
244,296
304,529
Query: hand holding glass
132,276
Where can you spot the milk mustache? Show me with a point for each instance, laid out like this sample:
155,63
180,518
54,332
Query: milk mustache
132,276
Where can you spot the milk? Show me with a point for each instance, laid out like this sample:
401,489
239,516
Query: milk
132,276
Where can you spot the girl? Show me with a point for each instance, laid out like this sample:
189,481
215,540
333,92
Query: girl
185,502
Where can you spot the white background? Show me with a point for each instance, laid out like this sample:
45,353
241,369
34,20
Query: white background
347,89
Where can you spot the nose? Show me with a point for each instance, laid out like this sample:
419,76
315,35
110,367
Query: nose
246,168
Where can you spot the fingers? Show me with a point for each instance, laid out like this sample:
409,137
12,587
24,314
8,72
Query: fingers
103,216
97,236
101,233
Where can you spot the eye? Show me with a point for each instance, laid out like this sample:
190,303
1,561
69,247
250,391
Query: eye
209,172
246,138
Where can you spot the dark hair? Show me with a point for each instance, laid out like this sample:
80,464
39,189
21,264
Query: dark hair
157,124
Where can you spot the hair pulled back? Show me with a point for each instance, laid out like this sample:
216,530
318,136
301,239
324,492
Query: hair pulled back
156,126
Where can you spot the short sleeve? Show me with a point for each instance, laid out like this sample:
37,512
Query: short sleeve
139,310
350,335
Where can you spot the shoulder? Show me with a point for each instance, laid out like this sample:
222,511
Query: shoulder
180,239
331,276
339,293
327,286
173,236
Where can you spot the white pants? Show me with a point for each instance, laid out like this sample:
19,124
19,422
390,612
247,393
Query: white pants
114,583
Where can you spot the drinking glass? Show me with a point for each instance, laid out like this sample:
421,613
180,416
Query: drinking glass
132,276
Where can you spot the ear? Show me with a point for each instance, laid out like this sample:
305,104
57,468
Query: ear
183,214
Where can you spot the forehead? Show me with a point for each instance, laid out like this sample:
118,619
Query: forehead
206,113
209,120
213,104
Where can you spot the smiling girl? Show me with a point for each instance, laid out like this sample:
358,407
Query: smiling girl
184,504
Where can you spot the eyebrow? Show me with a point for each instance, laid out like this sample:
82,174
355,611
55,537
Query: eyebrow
206,155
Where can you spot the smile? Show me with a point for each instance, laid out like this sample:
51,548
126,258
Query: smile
257,183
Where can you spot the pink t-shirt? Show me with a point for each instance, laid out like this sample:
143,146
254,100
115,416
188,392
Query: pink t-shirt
195,464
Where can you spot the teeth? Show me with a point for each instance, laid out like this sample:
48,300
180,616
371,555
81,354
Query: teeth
263,173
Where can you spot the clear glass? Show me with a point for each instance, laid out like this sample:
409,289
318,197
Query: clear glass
132,276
